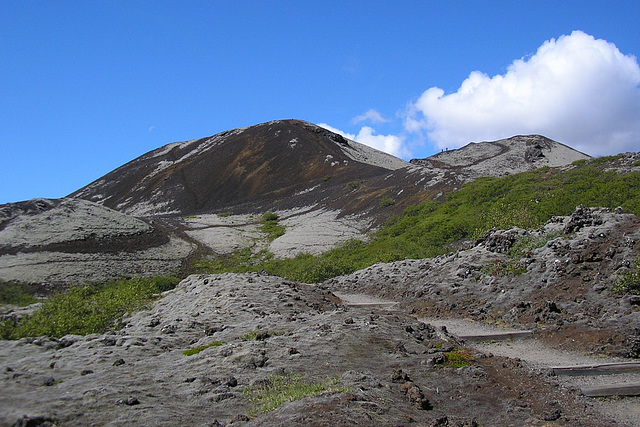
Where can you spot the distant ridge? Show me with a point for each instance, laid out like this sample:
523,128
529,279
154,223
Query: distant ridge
504,157
265,162
293,163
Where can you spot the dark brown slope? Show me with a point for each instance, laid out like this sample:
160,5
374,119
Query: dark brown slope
248,169
291,164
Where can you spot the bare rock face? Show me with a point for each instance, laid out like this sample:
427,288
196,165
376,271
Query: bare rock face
40,224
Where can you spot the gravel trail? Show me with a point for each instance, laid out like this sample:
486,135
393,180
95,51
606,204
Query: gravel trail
541,357
536,354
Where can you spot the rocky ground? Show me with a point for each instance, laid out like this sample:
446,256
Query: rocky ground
372,341
386,367
562,289
375,335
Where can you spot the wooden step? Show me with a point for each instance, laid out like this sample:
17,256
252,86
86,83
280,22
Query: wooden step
599,369
497,336
370,304
628,389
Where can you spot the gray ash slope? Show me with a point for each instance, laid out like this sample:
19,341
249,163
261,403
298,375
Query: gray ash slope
74,241
503,157
249,167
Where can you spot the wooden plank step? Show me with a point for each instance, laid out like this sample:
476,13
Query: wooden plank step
370,304
497,336
629,389
599,369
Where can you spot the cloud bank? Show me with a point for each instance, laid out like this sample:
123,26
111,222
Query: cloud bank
577,90
372,116
391,144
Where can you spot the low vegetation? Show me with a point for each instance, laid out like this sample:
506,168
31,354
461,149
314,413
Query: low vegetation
387,201
458,358
200,348
526,200
525,246
354,184
629,281
500,268
241,261
15,294
273,392
270,226
85,310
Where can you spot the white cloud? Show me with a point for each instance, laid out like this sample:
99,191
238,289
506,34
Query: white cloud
392,144
372,116
577,90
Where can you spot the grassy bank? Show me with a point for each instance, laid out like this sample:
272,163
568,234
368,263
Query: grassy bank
84,310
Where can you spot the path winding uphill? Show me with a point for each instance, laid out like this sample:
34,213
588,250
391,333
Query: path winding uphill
204,351
594,377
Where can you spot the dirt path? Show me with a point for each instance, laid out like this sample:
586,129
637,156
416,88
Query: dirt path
536,354
541,357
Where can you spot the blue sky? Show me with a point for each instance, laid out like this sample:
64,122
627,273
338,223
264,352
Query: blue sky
86,86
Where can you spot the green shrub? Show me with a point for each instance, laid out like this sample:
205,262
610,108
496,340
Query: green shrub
224,214
83,310
629,281
387,201
458,358
270,226
15,294
355,183
272,393
270,216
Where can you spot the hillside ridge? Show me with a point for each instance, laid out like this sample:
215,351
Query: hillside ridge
300,222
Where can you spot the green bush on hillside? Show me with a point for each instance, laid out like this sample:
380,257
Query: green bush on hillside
15,294
629,281
84,310
270,225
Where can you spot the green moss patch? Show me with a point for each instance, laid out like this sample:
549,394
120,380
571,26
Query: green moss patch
277,390
198,349
83,310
